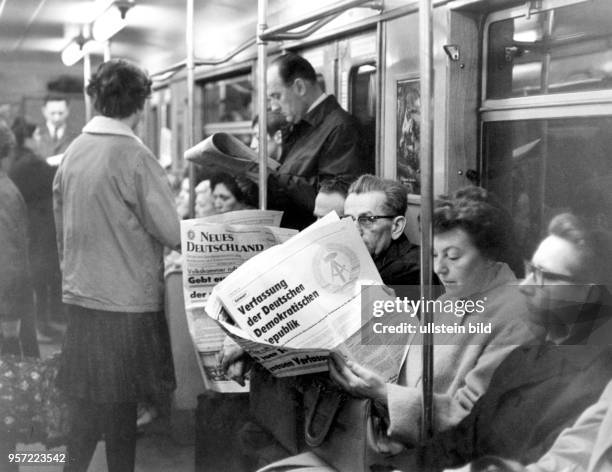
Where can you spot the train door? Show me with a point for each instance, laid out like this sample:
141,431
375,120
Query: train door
347,68
546,113
357,85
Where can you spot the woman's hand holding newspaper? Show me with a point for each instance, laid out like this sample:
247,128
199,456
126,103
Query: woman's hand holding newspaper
357,380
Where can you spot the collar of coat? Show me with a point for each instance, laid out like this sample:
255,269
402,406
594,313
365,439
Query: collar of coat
106,125
318,113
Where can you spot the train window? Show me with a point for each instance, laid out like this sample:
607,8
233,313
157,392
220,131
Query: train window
227,107
565,49
228,100
362,104
543,167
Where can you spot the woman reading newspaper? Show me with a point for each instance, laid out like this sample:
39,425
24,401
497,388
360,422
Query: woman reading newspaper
469,244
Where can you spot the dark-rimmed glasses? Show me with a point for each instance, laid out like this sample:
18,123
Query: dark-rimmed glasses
366,221
540,274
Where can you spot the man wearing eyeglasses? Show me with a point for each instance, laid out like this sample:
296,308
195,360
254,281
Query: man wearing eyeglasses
378,207
540,389
322,141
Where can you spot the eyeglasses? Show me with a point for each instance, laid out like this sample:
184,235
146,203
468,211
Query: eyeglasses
540,274
367,221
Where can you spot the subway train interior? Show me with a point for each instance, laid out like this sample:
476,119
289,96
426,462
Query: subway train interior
519,102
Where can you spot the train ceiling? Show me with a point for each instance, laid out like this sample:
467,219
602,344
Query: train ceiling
154,35
38,30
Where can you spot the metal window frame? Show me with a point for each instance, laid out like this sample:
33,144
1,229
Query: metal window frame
525,10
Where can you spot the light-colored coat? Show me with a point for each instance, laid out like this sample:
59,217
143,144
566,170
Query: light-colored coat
463,363
586,446
463,367
114,213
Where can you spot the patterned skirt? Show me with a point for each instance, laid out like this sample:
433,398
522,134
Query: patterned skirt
112,357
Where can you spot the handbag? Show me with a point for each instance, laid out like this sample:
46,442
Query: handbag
275,405
343,430
32,407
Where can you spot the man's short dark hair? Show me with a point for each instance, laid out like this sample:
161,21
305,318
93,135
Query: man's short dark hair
291,67
594,246
334,185
119,88
396,195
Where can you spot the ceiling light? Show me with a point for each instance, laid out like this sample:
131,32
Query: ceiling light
74,51
112,20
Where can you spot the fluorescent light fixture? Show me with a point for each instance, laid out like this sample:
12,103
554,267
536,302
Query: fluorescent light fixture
73,52
111,21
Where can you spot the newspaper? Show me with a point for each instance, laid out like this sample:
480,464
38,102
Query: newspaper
212,247
293,304
222,152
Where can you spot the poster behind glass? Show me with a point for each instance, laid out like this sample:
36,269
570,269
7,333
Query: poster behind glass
409,134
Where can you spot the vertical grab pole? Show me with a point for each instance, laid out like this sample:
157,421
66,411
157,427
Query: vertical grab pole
190,100
86,77
262,102
427,75
107,50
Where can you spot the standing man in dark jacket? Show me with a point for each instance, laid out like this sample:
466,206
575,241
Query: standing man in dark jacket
54,135
323,141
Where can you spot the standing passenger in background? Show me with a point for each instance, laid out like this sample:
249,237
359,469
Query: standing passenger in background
323,141
54,135
114,214
33,176
15,288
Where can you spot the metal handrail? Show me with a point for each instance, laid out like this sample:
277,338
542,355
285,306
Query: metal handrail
307,32
270,33
207,62
215,62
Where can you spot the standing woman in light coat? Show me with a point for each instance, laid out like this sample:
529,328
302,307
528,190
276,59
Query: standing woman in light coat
114,214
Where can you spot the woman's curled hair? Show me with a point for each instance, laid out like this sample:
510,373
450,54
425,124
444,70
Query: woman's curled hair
242,188
119,89
476,212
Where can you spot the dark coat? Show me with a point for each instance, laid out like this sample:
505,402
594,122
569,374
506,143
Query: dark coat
400,263
14,264
326,143
536,392
46,147
34,179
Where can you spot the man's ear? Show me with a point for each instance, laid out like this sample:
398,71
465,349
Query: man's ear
278,137
299,86
398,226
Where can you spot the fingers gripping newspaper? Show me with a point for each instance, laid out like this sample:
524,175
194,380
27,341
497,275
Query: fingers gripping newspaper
293,304
212,248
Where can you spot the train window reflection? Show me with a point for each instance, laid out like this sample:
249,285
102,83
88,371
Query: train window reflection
560,50
543,167
228,100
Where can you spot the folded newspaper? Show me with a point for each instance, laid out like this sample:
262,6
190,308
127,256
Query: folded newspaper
222,152
212,247
293,304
